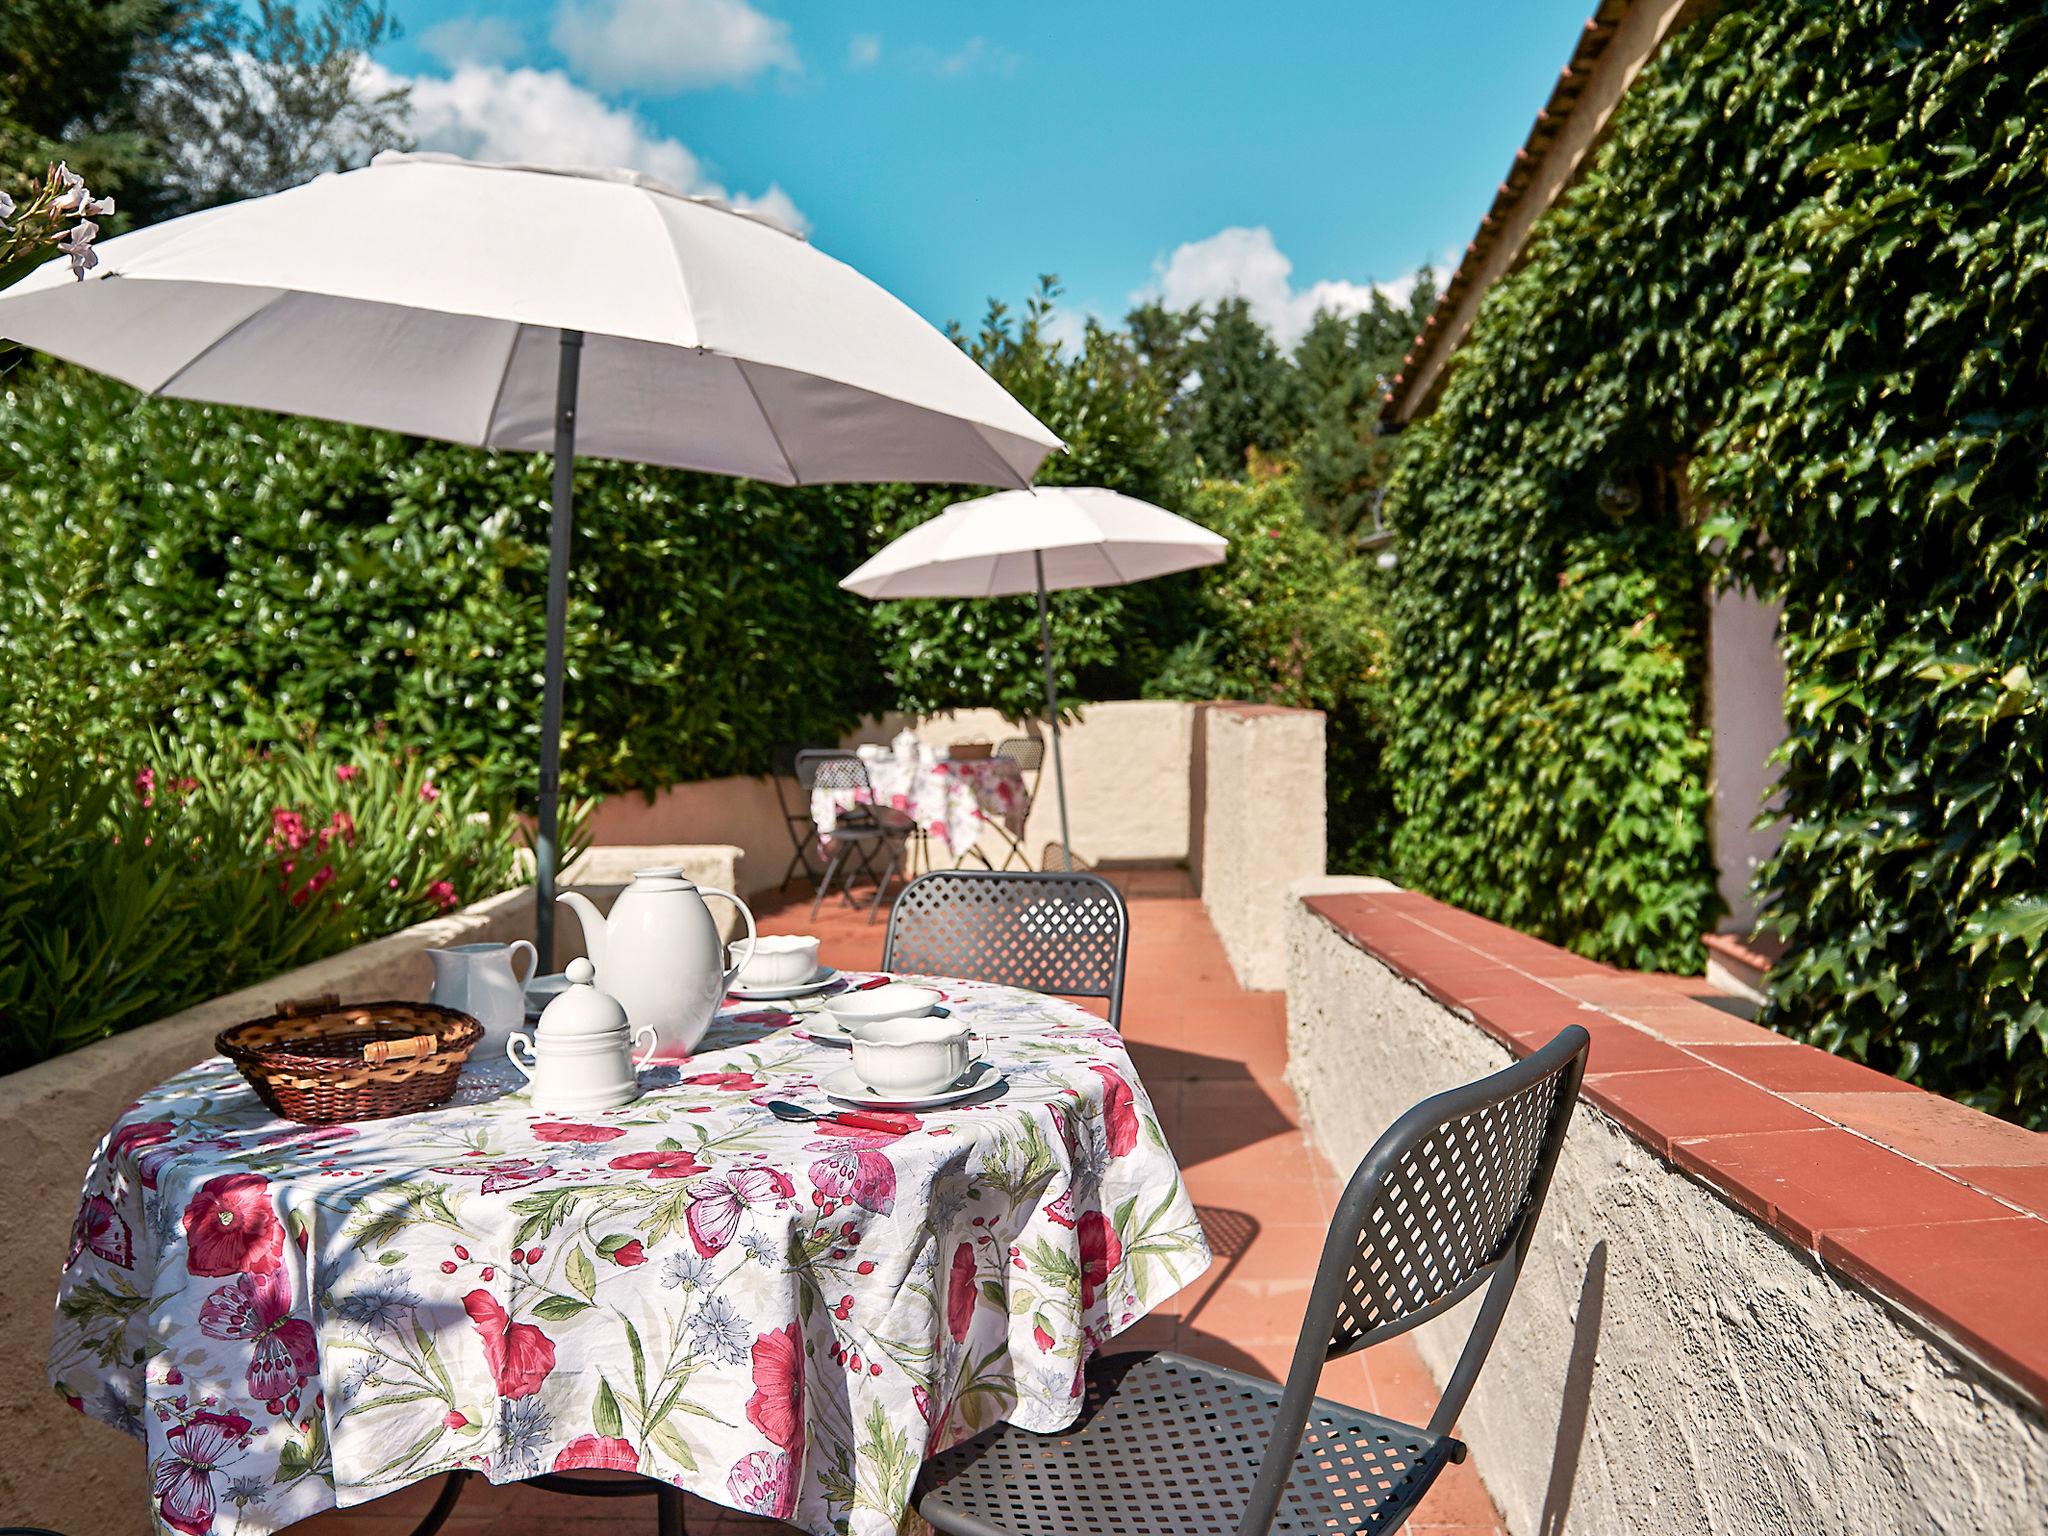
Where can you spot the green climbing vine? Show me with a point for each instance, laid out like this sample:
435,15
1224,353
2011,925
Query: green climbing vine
1788,331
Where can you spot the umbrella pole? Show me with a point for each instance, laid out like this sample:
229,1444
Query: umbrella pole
1052,707
560,522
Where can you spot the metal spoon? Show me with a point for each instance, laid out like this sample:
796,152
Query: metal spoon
796,1114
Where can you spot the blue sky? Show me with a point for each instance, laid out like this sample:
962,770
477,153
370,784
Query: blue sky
953,151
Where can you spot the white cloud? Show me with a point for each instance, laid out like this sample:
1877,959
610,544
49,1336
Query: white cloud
865,51
474,40
542,117
1248,263
669,45
976,54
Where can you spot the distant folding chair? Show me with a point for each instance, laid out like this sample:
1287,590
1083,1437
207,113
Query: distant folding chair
1028,753
1444,1204
1064,934
803,831
863,826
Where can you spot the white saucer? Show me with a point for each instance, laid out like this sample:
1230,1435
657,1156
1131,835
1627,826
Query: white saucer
823,978
843,1087
825,1034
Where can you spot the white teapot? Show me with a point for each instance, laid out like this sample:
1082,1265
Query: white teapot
659,954
583,1058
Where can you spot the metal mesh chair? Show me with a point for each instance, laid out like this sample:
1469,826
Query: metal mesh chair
1060,933
1028,753
866,828
803,831
1445,1203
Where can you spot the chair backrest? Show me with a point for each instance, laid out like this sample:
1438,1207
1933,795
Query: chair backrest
830,769
1067,934
1027,752
1445,1203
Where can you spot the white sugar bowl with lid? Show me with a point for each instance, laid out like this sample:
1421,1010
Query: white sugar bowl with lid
580,1056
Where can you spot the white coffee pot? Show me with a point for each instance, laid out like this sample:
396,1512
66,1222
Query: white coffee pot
659,954
482,981
580,1057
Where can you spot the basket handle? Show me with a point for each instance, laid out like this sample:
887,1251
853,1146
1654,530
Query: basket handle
413,1048
293,1007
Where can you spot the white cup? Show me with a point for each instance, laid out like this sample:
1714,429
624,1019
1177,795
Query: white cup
780,960
909,1058
895,1000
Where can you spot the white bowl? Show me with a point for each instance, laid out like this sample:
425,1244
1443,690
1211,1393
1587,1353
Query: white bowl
906,1058
779,960
896,1000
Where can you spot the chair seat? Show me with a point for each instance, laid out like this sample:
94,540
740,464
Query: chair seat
1169,1444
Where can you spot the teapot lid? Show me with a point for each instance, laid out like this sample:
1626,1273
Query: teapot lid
664,878
579,1009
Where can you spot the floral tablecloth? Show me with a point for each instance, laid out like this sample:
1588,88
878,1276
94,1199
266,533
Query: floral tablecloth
950,800
780,1318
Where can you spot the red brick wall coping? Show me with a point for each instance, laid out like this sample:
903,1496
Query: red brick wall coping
1929,1204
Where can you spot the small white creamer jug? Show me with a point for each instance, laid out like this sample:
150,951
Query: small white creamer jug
580,1057
482,980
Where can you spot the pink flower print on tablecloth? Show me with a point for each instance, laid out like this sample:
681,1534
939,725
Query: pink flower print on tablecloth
728,1082
605,1452
960,1292
1101,1251
520,1355
183,1478
573,1131
1119,1110
230,1228
104,1230
777,1406
716,1208
257,1308
675,1164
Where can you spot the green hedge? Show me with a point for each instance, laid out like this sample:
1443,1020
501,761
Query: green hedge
1807,271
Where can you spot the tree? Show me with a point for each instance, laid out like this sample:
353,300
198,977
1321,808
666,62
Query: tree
69,75
1245,394
245,104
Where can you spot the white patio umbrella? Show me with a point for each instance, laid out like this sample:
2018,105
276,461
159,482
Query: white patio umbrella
531,308
1043,539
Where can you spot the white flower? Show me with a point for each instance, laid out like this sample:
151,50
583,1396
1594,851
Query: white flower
74,196
77,244
7,206
685,1270
720,1332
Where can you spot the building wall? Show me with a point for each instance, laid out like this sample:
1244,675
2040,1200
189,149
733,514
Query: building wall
1746,716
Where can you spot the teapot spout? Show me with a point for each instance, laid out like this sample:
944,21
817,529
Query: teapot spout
593,925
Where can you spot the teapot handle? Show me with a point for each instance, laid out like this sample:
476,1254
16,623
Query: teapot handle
653,1044
745,912
512,1054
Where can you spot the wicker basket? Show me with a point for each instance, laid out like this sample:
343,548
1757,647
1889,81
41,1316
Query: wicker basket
317,1062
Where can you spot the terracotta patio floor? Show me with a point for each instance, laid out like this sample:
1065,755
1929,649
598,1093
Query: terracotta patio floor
1211,1056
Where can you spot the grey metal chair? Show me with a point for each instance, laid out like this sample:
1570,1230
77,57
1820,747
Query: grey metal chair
1445,1203
1028,753
867,829
803,831
1059,933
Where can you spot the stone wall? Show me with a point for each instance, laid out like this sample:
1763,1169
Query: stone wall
1687,1352
72,1474
1261,827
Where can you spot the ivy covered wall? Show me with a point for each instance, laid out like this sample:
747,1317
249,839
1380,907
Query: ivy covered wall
1806,280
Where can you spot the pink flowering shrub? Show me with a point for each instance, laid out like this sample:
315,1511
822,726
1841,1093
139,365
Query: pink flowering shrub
189,871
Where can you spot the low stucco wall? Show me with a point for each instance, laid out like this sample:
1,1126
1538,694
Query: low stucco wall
1128,791
1668,1364
1260,789
57,1468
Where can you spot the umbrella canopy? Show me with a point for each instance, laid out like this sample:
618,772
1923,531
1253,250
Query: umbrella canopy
995,546
528,308
427,294
1042,540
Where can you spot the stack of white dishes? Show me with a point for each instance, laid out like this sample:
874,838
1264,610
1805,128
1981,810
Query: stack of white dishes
908,1052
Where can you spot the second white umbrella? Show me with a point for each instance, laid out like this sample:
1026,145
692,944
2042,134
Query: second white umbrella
1047,539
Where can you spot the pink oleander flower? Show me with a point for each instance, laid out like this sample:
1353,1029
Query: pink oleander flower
430,791
348,771
442,894
145,784
287,829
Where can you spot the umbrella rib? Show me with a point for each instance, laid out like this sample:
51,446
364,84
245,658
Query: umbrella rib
768,422
225,336
504,377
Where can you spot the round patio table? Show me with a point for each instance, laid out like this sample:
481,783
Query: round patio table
784,1319
949,800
